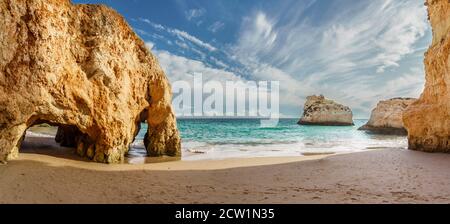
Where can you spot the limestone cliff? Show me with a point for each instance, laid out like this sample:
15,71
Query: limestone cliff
321,111
387,117
428,119
82,68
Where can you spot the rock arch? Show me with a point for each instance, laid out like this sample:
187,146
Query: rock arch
80,67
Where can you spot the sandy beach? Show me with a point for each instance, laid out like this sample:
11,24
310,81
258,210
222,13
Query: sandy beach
46,173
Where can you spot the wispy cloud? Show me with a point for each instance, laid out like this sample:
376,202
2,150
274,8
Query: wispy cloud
177,67
142,32
194,13
355,47
193,39
356,52
218,62
180,68
149,45
154,25
180,34
181,44
217,26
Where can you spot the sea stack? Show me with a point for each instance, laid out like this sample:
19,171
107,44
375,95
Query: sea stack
321,111
81,68
387,117
428,119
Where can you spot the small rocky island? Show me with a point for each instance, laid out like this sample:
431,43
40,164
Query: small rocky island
324,112
387,117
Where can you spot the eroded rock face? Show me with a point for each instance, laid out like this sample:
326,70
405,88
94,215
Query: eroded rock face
387,117
80,67
428,119
321,111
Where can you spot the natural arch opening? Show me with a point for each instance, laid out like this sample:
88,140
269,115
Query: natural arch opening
67,141
61,140
137,151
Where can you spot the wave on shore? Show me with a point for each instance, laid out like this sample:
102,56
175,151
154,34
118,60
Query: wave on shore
216,139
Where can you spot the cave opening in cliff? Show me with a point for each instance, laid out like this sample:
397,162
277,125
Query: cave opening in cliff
137,152
48,138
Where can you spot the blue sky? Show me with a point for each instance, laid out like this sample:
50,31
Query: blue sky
356,52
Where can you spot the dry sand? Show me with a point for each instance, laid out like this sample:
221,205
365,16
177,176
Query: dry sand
46,173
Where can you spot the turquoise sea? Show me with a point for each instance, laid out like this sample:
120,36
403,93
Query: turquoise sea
237,138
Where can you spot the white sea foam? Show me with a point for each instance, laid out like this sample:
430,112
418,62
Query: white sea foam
224,151
196,150
219,139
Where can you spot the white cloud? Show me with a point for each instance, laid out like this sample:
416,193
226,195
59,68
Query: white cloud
149,45
199,53
181,44
177,67
142,32
357,55
195,13
218,62
199,23
154,25
217,26
180,68
257,36
348,56
179,33
195,40
407,84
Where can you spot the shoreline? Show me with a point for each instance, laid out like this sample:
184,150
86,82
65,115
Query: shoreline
46,150
379,176
45,175
179,165
203,151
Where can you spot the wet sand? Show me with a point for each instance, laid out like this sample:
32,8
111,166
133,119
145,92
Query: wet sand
46,173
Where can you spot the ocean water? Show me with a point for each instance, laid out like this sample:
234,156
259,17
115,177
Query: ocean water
242,138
